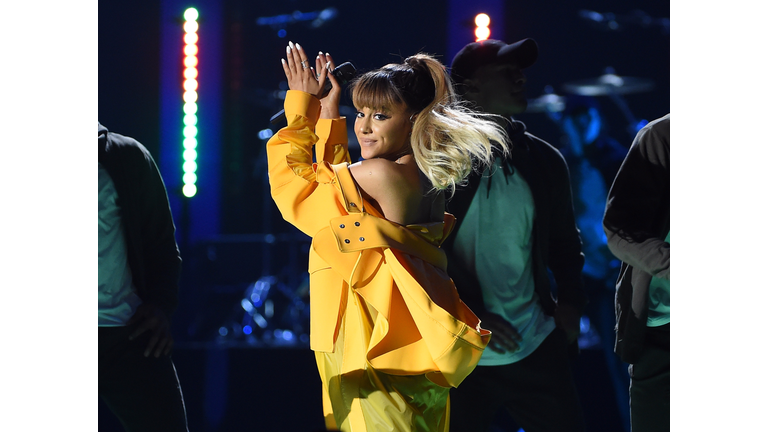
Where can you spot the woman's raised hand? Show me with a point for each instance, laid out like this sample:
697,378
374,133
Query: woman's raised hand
329,103
300,74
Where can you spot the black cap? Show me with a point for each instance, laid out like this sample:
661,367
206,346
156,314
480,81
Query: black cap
477,54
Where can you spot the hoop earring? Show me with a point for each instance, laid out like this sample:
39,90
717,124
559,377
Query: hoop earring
412,116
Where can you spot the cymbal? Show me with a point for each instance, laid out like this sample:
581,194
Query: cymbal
549,102
608,84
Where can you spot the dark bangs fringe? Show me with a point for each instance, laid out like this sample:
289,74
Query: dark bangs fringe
375,90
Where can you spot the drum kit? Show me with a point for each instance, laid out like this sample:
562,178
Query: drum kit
609,84
271,314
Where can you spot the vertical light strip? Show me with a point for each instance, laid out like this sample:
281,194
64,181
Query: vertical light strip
482,30
190,103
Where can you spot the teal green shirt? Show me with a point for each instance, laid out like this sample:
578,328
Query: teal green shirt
501,255
658,300
117,296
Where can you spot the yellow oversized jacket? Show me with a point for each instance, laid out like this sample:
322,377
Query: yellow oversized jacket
408,307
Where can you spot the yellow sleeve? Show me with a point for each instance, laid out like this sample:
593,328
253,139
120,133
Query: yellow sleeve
306,194
332,144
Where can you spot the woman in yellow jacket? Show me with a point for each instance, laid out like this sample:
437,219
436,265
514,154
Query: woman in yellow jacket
390,334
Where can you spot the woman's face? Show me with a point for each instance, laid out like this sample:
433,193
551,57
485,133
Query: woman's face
383,133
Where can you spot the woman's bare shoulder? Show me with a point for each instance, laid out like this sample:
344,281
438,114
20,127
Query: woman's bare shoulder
394,187
377,176
375,167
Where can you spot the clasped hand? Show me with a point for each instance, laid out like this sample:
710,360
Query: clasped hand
301,76
150,318
504,337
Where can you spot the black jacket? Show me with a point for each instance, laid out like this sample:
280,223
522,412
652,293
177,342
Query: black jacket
556,241
636,222
146,214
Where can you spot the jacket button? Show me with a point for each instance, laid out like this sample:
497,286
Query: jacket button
341,226
362,238
346,240
357,223
352,204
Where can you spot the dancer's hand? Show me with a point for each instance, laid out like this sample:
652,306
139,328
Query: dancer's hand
152,319
505,337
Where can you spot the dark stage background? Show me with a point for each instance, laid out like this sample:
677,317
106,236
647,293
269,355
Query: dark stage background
232,239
